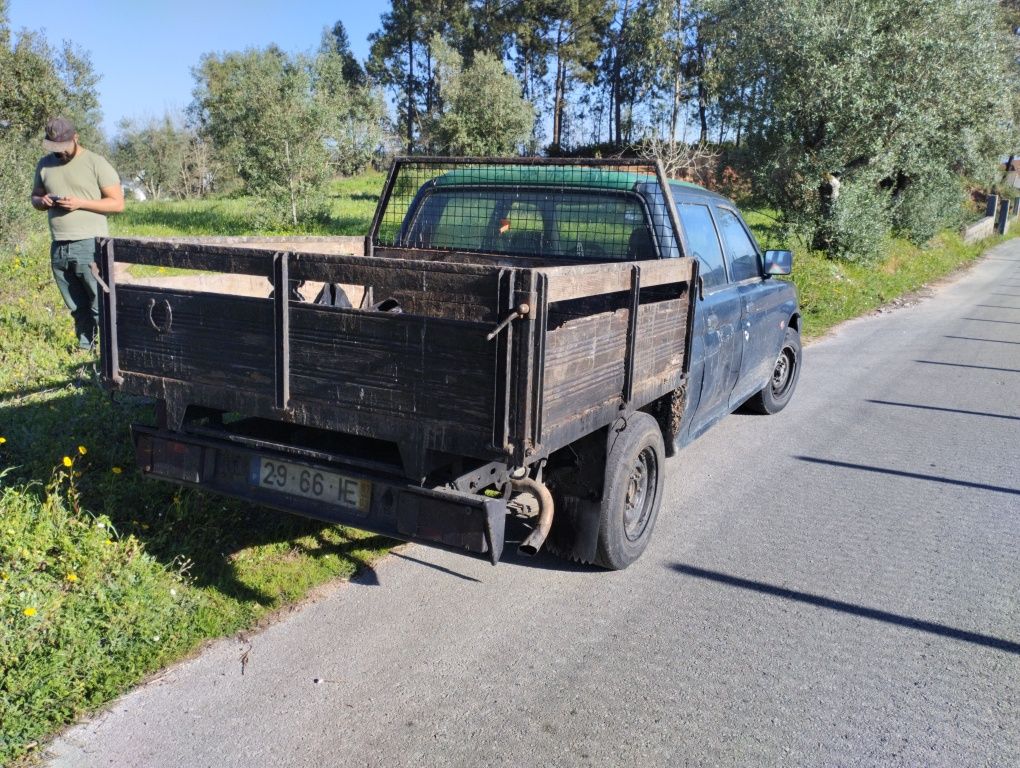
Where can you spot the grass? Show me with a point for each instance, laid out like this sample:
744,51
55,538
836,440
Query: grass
106,577
348,209
833,291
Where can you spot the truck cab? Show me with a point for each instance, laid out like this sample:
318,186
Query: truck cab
742,315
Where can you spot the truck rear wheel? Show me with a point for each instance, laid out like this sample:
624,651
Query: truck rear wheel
632,492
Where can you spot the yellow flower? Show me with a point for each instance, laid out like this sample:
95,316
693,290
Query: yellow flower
29,611
67,461
109,541
3,440
116,470
72,576
82,450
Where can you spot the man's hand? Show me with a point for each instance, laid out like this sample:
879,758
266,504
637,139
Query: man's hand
68,203
112,201
43,202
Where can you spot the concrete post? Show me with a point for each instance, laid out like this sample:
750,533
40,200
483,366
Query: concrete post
1002,221
992,205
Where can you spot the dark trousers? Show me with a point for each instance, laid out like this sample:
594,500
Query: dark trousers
71,261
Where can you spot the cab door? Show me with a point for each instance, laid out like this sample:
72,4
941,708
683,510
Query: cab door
761,324
717,318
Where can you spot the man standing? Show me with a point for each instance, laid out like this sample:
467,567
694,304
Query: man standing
78,188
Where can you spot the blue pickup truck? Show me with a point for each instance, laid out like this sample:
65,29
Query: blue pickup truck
513,355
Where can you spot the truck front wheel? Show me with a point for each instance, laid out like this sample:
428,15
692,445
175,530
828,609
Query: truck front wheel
632,492
774,396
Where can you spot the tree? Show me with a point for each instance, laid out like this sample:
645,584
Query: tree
164,156
337,42
402,59
354,113
632,62
481,109
36,83
885,94
574,31
257,109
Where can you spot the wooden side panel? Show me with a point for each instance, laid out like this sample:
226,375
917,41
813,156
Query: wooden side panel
661,337
204,338
397,365
452,291
583,366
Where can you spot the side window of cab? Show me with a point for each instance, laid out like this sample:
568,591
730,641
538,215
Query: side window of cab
703,240
743,256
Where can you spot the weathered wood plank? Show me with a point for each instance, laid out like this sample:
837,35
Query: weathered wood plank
206,338
572,282
583,364
402,365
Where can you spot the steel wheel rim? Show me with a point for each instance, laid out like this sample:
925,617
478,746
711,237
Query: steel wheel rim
782,375
639,498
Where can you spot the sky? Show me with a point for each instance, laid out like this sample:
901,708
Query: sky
144,50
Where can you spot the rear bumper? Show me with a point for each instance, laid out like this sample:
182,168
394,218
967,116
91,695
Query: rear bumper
440,518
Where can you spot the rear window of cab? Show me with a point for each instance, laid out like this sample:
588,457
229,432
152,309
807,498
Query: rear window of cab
521,221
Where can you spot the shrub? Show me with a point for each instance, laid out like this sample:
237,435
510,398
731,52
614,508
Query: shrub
734,185
859,223
929,205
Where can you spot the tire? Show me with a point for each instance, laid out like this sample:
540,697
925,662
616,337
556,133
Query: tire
632,493
775,395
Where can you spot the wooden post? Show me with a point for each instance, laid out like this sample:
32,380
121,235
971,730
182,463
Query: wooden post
281,314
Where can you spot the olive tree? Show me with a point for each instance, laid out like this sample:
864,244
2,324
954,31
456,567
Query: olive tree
854,109
163,156
285,124
353,112
256,108
479,109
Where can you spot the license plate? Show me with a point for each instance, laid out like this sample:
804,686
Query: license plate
318,484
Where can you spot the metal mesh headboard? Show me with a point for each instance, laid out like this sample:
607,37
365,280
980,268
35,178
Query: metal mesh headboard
574,210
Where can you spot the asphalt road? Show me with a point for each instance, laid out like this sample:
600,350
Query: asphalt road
834,585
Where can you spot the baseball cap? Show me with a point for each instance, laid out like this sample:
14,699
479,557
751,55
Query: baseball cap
59,135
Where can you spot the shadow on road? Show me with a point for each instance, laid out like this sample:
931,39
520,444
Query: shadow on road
854,610
964,365
973,338
945,410
986,320
433,566
911,475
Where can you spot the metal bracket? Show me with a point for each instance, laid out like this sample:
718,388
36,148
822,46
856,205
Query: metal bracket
168,311
94,269
521,310
281,316
632,329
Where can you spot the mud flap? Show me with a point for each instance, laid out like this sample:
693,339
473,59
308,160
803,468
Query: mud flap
453,520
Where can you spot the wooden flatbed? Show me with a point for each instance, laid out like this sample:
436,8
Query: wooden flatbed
460,371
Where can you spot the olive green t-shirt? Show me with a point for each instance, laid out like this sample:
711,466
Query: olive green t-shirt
82,177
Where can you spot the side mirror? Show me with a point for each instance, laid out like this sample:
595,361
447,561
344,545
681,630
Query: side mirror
778,262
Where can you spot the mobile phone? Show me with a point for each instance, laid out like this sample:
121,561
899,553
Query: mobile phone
56,198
